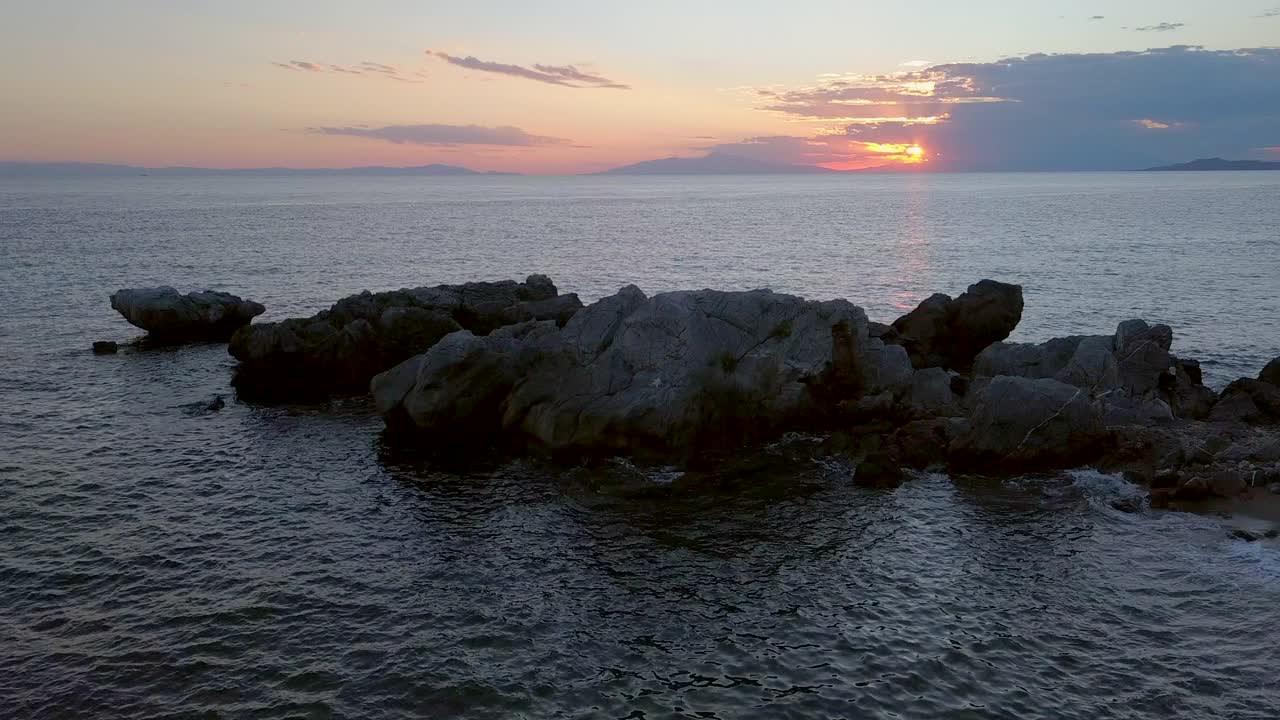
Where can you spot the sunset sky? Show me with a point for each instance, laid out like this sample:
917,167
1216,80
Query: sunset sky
569,87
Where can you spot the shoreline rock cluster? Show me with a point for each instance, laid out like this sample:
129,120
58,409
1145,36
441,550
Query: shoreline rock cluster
679,377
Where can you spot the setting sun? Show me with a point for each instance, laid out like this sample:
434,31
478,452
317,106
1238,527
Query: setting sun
915,151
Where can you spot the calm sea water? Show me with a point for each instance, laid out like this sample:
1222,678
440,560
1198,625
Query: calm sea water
156,561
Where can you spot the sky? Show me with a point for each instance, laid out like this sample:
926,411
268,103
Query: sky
566,86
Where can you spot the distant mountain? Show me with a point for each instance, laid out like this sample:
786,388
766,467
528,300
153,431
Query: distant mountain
1219,164
714,164
22,169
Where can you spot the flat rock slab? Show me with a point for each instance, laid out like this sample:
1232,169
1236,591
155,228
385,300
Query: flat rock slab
168,315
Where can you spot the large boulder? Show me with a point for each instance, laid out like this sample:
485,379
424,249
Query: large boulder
1271,373
456,389
1249,401
1142,352
1029,360
1086,361
1021,424
886,368
947,333
1186,393
930,394
168,315
660,377
339,350
683,371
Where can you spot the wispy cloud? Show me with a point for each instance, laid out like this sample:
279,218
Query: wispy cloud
443,135
1273,12
365,69
300,65
562,75
1150,124
1161,27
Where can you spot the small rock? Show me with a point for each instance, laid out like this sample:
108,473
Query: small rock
1127,504
1166,479
216,404
1161,498
1246,535
1226,483
105,347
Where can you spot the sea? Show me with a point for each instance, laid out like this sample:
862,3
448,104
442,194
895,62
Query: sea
159,560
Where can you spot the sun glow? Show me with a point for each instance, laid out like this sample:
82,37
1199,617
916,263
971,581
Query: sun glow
915,151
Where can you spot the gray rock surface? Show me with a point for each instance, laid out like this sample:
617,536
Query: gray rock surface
1142,352
1029,360
339,350
686,370
1188,397
1124,410
663,376
930,394
1021,424
1249,401
168,315
887,367
458,386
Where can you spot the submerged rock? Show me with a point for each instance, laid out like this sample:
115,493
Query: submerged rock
105,347
169,316
339,350
947,333
1246,535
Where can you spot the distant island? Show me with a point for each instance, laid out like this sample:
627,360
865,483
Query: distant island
1209,164
714,164
33,169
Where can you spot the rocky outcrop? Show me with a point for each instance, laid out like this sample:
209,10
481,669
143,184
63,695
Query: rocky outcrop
679,377
169,316
1249,401
337,351
1132,372
1020,424
949,334
1142,354
105,347
659,377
